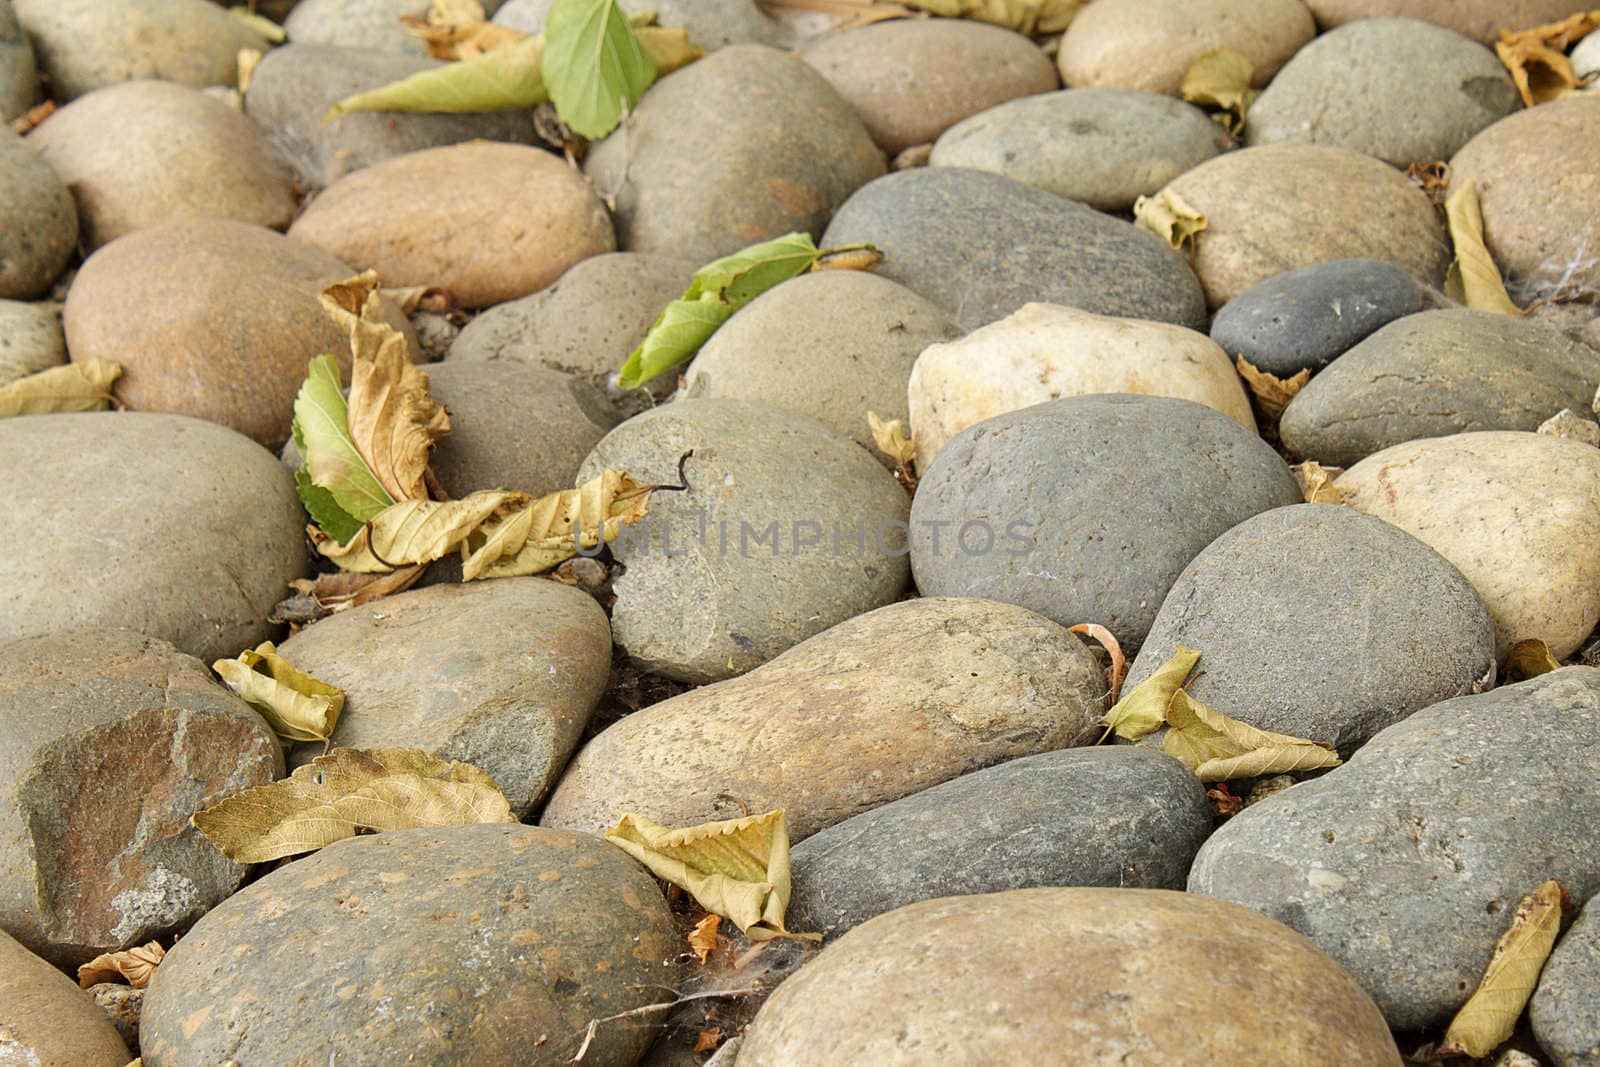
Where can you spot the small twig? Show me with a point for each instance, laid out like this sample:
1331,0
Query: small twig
594,1024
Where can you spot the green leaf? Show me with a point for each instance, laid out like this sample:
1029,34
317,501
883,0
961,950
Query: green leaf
325,511
679,331
593,64
504,79
329,457
749,272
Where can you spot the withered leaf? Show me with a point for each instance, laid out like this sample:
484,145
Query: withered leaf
738,869
1473,279
1490,1014
1143,709
1529,659
1316,483
1119,663
297,706
893,441
1024,16
1271,392
1221,80
135,966
703,938
1218,748
83,386
1170,217
346,792
1537,57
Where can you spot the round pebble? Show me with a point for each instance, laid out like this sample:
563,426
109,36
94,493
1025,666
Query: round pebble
41,222
19,74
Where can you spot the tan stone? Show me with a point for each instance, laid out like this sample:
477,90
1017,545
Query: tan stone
1517,513
141,153
879,707
1045,352
912,79
1538,177
212,318
489,222
1087,976
1150,44
1274,208
47,1021
1481,19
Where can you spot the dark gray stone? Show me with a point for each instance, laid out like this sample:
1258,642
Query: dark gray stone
756,555
782,160
981,245
1406,863
294,86
1434,374
485,945
1095,504
40,233
1104,147
1109,816
1320,622
1339,90
1565,1009
19,74
1306,318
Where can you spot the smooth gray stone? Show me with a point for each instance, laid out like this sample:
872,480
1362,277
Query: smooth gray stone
1340,89
1434,374
981,245
1406,864
1087,509
361,23
40,230
1106,816
1320,622
19,74
294,86
1565,1009
1103,147
712,24
31,339
1306,318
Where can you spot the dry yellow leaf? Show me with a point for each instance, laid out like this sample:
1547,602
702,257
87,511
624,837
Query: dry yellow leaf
134,966
1170,217
892,440
1218,748
394,420
738,869
1143,709
1537,57
413,531
346,792
1024,16
297,706
1316,483
1222,80
462,40
1529,659
533,537
84,386
1490,1014
249,58
1473,279
703,938
1271,392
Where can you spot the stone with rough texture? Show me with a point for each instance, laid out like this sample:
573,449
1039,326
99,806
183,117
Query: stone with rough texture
485,945
178,528
1098,977
1513,511
1150,44
1045,352
141,153
1103,147
111,740
486,222
1319,622
981,245
1438,373
912,79
1562,1010
783,160
502,674
1538,178
587,323
1340,90
41,222
121,1004
211,318
712,24
294,86
1274,208
1304,319
30,339
1036,507
514,427
1108,816
362,23
49,1022
19,74
86,44
1407,863
833,345
835,726
1479,19
757,554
